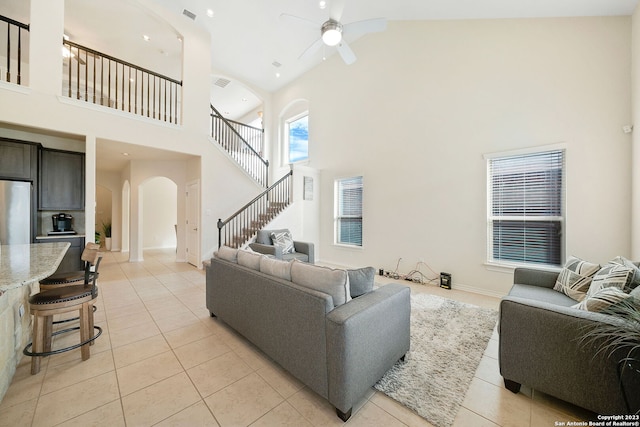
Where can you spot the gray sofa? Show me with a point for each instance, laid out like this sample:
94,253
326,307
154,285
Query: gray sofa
338,352
303,251
540,346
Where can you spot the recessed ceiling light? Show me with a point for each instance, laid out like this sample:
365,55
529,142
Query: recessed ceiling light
244,99
322,4
125,154
146,37
277,74
210,13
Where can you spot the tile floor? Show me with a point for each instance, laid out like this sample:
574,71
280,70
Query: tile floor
161,360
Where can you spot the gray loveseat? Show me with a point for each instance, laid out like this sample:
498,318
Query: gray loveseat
540,346
338,352
303,251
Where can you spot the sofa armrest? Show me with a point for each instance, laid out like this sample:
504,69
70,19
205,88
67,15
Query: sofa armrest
267,249
365,338
305,248
535,277
541,346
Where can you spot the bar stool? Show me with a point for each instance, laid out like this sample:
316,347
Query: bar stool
63,299
69,277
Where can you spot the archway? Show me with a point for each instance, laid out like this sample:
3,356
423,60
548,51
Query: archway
159,196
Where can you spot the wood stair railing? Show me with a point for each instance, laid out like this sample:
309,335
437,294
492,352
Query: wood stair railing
243,225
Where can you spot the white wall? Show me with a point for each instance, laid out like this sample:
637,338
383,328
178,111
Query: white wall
426,100
635,158
159,214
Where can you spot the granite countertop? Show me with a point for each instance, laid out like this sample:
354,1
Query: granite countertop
24,264
60,236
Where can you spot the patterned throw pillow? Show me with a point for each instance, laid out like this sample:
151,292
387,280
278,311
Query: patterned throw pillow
634,280
611,276
575,278
603,299
284,241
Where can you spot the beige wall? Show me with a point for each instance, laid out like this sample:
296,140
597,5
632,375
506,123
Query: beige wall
423,103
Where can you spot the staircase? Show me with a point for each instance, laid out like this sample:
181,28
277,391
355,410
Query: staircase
245,145
242,226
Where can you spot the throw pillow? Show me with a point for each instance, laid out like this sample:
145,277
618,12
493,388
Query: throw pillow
361,281
226,253
323,279
249,259
602,299
575,278
275,267
610,276
284,241
634,280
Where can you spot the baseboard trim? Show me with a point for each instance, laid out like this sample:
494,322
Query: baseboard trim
476,290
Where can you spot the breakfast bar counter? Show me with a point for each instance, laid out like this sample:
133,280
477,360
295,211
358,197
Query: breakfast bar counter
24,264
21,269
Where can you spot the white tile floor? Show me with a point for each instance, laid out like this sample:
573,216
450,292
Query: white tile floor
162,360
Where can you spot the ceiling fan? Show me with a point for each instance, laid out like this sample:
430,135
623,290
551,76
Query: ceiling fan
332,31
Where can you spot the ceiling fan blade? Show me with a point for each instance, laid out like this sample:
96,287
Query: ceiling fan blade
336,9
311,50
363,27
296,20
346,53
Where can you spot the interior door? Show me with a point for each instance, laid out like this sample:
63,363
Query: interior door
193,223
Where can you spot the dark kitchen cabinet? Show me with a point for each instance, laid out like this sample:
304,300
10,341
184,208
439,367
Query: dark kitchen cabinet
18,160
71,260
61,180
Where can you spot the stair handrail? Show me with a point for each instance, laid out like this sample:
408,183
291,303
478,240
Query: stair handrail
228,122
222,224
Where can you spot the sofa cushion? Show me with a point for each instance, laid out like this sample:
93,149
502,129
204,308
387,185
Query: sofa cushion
540,293
323,279
275,267
226,253
249,259
575,278
361,281
602,299
283,240
612,275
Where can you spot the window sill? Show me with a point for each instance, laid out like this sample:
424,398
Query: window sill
343,246
508,268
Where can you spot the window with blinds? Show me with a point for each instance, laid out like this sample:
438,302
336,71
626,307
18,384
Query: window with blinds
526,208
349,211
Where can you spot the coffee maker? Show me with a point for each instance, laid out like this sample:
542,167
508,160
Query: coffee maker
62,224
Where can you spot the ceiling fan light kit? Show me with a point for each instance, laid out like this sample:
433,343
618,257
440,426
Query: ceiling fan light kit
331,32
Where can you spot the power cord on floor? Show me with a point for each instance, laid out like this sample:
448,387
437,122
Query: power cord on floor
415,275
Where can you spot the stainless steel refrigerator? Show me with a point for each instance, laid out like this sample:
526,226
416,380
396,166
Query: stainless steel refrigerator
15,212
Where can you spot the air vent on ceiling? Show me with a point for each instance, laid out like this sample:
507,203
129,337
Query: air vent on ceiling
189,14
221,82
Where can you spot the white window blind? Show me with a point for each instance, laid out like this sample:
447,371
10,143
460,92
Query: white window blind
526,208
349,211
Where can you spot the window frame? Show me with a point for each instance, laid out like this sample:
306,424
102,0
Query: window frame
338,217
560,219
287,133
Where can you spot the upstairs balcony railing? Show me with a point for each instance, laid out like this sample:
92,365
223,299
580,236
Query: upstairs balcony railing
11,52
101,79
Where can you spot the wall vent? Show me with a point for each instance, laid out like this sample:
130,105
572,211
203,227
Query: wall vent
189,14
221,82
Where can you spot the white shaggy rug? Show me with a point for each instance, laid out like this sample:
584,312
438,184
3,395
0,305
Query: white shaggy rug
448,339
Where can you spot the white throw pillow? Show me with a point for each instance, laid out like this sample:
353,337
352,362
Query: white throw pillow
323,279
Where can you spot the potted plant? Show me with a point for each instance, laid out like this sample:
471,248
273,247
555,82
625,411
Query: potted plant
106,229
623,338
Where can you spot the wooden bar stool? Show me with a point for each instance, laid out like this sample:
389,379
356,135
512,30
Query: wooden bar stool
63,299
65,278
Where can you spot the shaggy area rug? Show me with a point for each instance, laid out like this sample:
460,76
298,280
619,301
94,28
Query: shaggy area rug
448,339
